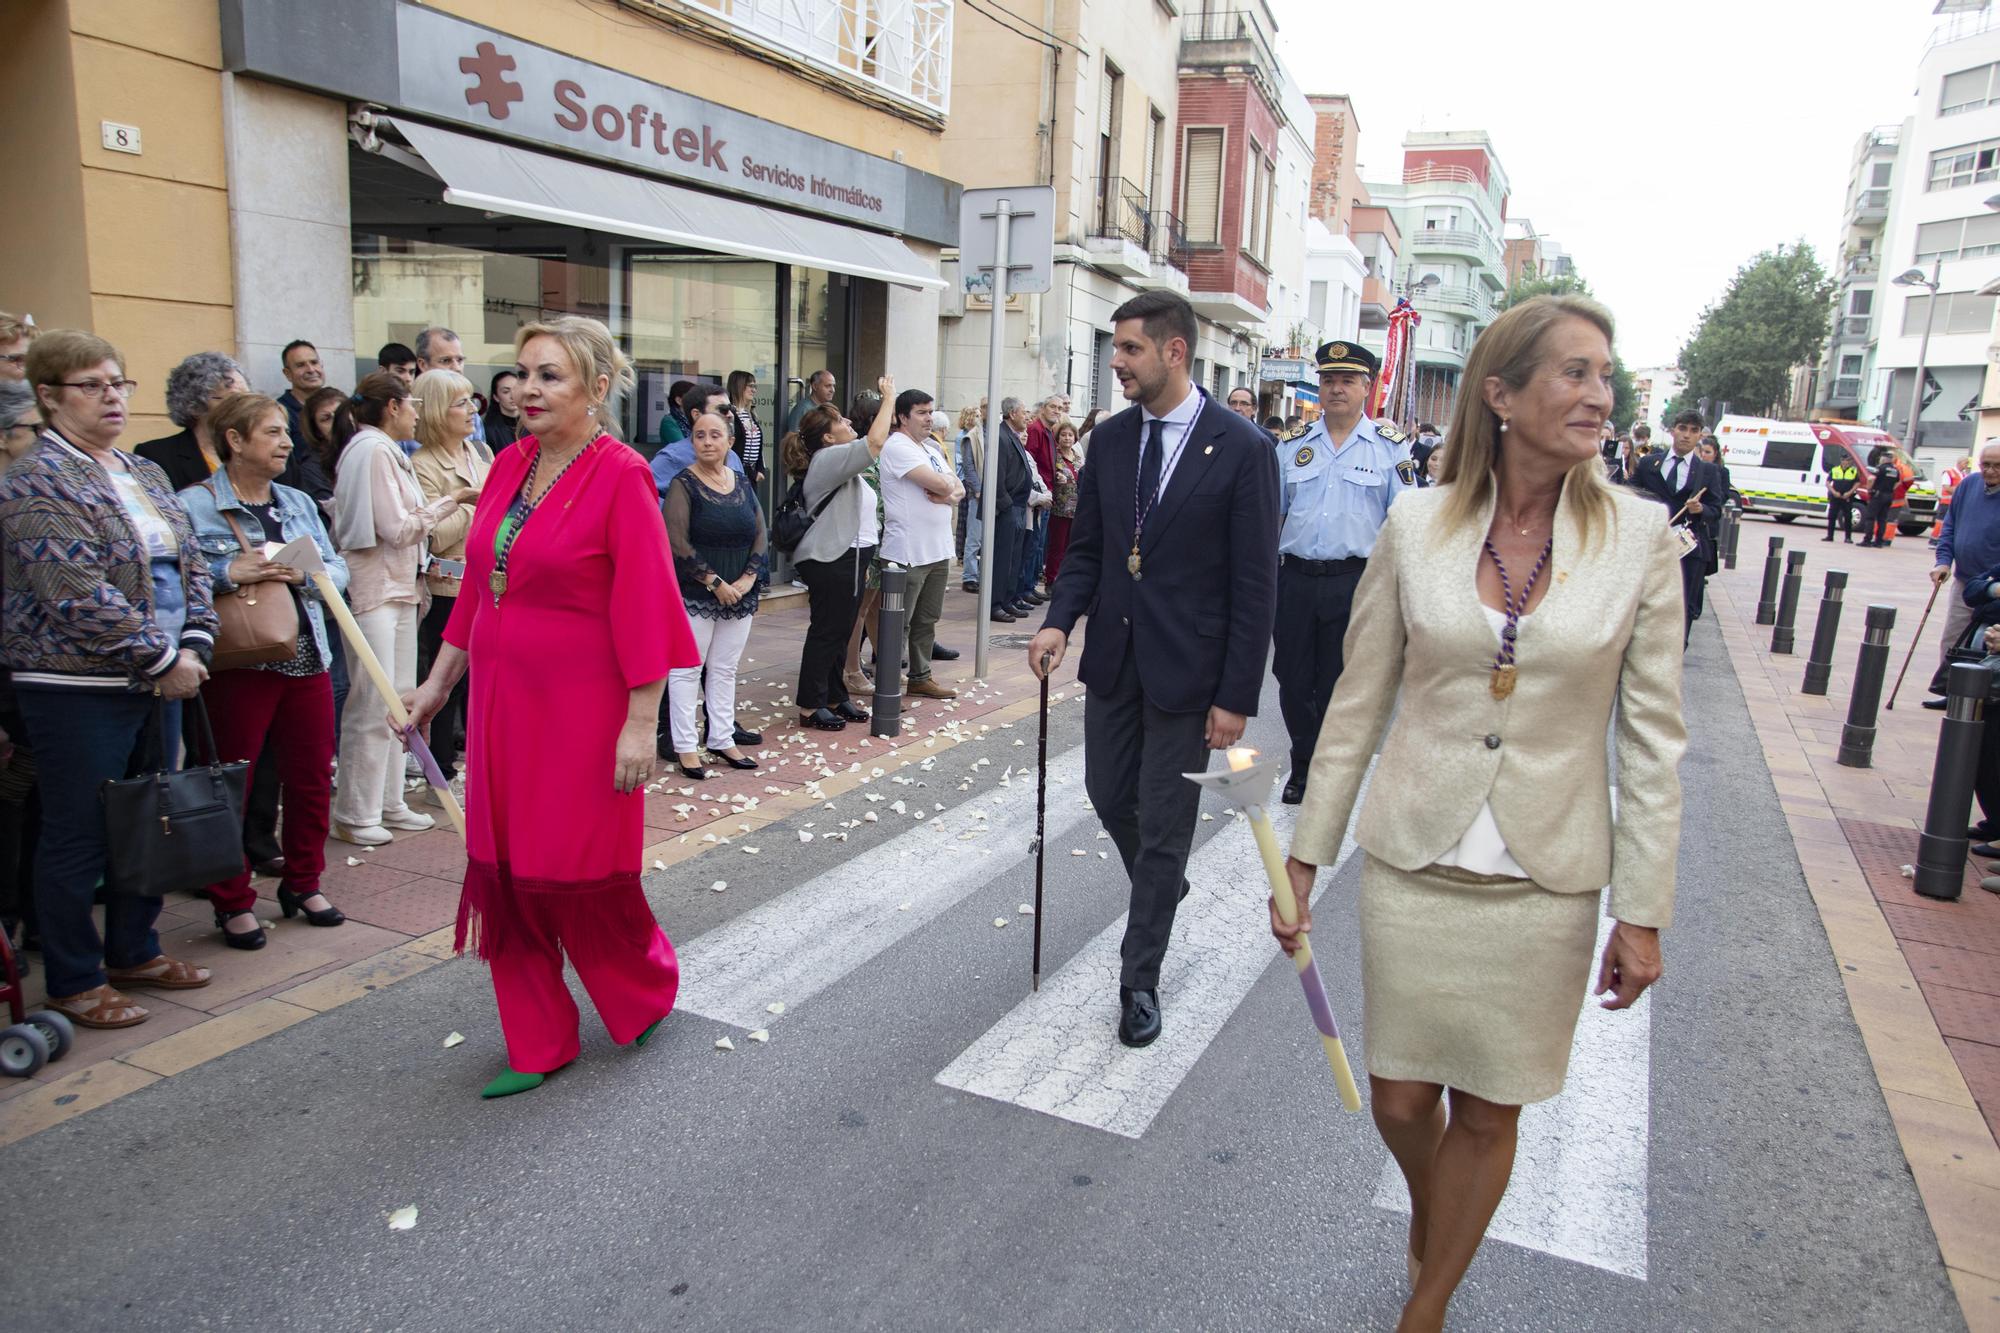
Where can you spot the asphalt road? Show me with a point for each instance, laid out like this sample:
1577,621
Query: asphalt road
827,1180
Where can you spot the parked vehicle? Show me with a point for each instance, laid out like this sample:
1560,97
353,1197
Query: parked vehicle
1780,467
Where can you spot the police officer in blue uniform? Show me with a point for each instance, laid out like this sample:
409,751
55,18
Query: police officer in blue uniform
1337,479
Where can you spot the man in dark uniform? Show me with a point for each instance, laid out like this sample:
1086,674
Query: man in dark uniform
1882,484
1170,557
1337,479
1692,490
1843,479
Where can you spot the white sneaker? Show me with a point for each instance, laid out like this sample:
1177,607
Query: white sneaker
415,821
413,767
373,835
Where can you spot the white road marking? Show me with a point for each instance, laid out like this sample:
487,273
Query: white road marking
1058,1052
804,940
1579,1185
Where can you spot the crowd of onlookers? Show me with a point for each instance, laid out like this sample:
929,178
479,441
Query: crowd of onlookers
129,572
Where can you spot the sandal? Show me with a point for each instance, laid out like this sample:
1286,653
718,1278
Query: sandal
98,1007
163,973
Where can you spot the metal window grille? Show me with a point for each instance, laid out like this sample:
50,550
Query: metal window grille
900,47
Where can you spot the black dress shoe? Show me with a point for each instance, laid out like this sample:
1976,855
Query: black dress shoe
1004,616
249,939
1987,850
823,719
745,762
696,774
968,587
1139,1017
1982,832
1022,610
749,737
1295,792
1038,598
1935,705
291,904
852,711
940,653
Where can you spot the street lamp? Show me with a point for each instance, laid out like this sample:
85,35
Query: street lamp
1915,278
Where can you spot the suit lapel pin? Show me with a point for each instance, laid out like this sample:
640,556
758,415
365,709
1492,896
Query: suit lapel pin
1208,449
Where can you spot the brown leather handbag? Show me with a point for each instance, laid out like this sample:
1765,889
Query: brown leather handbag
257,623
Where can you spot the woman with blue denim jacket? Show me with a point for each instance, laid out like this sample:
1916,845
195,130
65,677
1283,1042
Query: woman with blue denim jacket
281,709
107,622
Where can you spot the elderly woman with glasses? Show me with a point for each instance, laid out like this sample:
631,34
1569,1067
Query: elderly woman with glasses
194,388
107,622
446,462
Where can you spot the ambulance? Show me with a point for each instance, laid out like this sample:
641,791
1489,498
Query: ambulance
1779,468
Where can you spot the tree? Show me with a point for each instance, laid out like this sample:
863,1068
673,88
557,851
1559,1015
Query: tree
1772,317
1624,395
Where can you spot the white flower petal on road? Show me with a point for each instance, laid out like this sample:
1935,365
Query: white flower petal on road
1102,834
708,837
775,1007
354,860
760,1036
749,851
876,796
919,814
899,808
1026,909
1207,816
902,907
1076,851
1104,856
877,772
718,886
1000,921
871,816
403,1219
659,865
455,1039
724,1044
805,836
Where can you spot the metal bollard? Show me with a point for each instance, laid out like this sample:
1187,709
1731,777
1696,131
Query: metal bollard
1819,659
1735,512
1942,846
1788,603
1724,531
1857,738
889,635
1774,568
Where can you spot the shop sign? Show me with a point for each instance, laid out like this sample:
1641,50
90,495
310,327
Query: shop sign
1283,369
477,77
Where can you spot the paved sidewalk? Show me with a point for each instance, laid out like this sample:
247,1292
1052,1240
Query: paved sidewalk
401,899
1922,976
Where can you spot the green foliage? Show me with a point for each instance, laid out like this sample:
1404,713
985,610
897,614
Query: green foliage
1625,397
1772,317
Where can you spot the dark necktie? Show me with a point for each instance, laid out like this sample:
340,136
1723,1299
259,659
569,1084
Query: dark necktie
1674,476
1149,463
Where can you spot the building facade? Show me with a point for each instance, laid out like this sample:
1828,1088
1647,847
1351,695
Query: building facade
1654,390
230,176
1946,166
1451,207
1849,359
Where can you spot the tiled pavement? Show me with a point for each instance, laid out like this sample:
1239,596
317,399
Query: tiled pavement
401,899
1922,976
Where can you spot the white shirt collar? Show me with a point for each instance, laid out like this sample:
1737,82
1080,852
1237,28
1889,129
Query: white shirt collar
1183,415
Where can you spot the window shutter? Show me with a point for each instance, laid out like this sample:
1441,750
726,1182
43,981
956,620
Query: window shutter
1965,87
1201,205
1982,230
1106,87
1936,237
1153,160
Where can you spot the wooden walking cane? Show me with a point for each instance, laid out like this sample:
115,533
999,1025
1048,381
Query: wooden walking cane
308,562
1923,621
1041,811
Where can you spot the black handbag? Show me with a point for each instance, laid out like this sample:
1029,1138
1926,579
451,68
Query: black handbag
792,522
1970,649
175,832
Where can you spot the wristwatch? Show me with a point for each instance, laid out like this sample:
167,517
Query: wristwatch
714,582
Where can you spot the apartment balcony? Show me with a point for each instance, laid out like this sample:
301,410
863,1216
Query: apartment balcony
1167,252
1458,299
1847,389
1376,303
1861,266
1119,238
1220,41
1471,245
1870,206
1231,309
1434,179
1440,356
898,48
1852,329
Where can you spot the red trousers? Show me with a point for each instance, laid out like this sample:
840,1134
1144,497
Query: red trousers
296,714
632,978
1058,543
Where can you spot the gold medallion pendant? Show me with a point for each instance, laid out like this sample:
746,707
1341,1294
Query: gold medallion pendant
497,582
1132,565
1503,681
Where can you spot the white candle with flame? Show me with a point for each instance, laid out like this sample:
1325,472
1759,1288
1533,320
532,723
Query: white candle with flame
1240,757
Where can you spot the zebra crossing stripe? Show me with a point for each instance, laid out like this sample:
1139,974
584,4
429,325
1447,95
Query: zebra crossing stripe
799,943
1057,1051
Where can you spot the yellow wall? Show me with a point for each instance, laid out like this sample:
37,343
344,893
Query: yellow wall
649,49
135,248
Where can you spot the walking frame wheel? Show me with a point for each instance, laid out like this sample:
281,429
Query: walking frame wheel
23,1051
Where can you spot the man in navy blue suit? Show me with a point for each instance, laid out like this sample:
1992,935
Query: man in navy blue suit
1693,490
1174,557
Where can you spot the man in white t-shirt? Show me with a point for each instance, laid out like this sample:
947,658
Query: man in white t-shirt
920,492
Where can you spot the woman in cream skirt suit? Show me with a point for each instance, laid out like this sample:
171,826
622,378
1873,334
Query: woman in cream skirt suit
1523,608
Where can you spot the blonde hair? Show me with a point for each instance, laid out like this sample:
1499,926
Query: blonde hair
435,391
591,350
13,328
968,418
241,413
1511,350
59,353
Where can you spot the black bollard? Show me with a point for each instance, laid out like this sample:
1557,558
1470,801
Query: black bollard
1774,568
1819,660
1724,532
1735,512
1942,847
1857,738
888,720
1788,603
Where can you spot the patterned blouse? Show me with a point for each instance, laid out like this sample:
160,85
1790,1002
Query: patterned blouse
719,534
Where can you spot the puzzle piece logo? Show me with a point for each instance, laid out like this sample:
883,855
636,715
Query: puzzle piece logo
488,68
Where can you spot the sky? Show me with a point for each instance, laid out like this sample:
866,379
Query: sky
1662,146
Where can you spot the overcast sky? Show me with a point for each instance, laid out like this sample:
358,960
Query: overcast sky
1663,146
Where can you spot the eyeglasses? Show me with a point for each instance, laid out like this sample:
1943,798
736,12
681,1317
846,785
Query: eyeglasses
414,401
98,388
14,358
